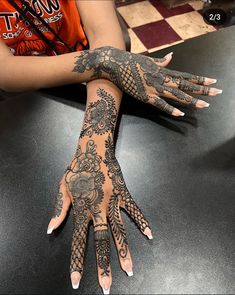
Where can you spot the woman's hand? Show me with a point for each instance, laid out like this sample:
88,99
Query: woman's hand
94,184
143,78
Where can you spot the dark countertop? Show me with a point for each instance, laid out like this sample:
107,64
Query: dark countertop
181,173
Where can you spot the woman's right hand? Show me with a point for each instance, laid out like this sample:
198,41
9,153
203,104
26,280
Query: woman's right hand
143,78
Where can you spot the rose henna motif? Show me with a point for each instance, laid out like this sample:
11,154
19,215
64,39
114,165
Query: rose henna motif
100,115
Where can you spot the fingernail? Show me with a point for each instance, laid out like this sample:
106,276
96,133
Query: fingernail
129,273
75,279
178,113
219,91
202,104
106,291
50,230
213,81
171,53
148,233
210,81
75,286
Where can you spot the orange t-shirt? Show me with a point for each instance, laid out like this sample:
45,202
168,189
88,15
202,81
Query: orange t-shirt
61,15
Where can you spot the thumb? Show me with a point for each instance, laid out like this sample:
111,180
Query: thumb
61,208
163,62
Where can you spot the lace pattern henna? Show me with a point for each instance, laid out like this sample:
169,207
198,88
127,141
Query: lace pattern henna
78,244
100,116
135,73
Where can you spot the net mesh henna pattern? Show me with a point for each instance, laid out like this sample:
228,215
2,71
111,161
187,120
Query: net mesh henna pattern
135,212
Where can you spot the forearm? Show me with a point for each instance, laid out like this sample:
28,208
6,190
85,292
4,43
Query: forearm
112,95
24,73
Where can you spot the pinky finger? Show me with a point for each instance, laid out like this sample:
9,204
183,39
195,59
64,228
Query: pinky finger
162,105
136,215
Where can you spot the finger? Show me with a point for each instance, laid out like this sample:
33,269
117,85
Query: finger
78,247
62,205
162,105
185,85
184,98
163,62
119,234
102,247
190,77
137,216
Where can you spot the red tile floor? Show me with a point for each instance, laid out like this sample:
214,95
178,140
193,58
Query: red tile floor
152,26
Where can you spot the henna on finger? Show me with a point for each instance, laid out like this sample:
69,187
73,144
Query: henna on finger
179,95
135,213
117,226
58,205
102,246
78,243
120,190
183,75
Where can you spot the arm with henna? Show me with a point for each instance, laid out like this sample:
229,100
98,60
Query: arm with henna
145,79
93,183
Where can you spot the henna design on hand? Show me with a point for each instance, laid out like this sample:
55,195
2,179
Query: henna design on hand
120,194
78,242
139,75
102,245
100,116
58,205
84,181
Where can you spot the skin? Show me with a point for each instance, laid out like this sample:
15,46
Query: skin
98,194
94,185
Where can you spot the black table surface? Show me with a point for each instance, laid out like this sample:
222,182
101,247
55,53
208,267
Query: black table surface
180,172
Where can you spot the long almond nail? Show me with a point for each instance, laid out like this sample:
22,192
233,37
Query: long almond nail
202,104
209,81
129,273
50,230
106,291
178,113
75,279
148,233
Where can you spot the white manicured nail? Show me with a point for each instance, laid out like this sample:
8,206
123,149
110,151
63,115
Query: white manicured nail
150,237
207,105
50,230
106,291
219,91
75,286
129,273
213,81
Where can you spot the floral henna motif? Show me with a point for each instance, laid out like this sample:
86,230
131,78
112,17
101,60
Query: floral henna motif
102,245
58,205
100,115
120,194
85,180
138,75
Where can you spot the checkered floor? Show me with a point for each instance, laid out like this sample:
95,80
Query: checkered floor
152,26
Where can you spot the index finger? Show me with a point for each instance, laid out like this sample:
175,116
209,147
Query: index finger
190,77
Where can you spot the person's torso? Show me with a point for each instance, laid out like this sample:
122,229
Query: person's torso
61,15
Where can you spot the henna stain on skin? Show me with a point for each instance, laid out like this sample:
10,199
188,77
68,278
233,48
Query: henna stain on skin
100,116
